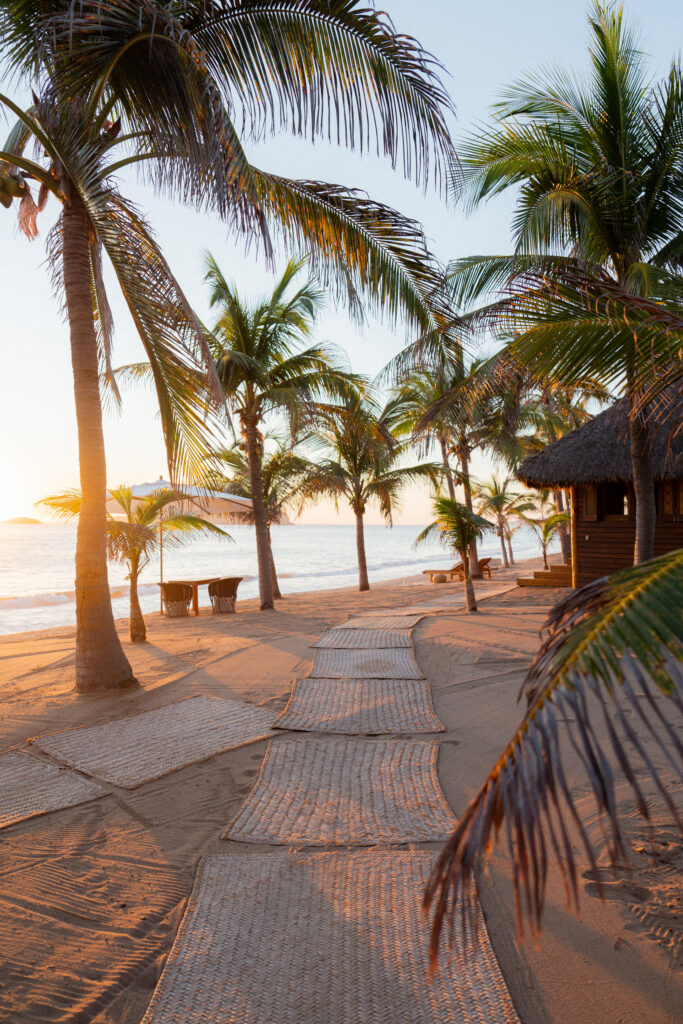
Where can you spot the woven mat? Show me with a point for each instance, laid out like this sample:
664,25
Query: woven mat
29,787
322,938
380,620
134,750
364,639
387,664
345,791
358,706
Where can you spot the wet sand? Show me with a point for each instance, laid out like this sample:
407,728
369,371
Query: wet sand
91,897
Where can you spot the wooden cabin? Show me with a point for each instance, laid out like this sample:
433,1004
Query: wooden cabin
593,463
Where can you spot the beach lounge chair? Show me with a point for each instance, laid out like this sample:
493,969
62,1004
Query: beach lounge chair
484,567
223,594
176,598
455,570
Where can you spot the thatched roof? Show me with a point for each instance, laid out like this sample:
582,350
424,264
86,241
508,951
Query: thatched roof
599,451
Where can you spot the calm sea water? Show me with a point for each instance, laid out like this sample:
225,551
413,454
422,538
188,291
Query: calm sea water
36,565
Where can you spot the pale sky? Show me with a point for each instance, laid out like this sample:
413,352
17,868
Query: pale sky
483,45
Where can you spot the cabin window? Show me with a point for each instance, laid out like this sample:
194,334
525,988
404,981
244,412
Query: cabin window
614,500
666,504
591,506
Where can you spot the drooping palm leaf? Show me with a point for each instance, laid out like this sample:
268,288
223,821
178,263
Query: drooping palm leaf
612,661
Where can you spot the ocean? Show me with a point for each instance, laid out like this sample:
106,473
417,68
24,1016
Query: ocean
36,565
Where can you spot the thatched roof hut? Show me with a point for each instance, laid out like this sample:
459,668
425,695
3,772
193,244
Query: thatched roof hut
599,451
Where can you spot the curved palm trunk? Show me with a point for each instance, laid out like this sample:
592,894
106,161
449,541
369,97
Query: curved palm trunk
447,468
643,485
511,557
470,599
363,583
501,534
263,552
544,548
467,488
136,622
100,661
276,586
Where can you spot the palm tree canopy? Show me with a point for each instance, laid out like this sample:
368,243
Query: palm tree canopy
612,654
599,163
191,81
455,526
259,361
283,474
362,458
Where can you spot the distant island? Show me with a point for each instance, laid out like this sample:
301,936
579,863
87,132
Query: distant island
20,521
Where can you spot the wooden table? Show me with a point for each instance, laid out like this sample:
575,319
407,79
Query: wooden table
196,584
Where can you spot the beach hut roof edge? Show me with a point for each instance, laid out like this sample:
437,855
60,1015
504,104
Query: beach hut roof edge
599,451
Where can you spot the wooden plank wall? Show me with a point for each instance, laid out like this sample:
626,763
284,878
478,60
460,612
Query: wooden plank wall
607,545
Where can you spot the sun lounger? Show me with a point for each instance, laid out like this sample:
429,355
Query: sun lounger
223,594
176,598
456,570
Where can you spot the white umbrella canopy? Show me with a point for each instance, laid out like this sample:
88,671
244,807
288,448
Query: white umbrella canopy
214,504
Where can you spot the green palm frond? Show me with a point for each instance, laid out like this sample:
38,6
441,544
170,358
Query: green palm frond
612,658
455,526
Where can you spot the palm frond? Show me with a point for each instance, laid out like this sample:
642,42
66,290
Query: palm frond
612,660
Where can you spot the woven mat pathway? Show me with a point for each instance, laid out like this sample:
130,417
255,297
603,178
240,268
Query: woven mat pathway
322,938
364,639
154,743
360,706
355,792
29,787
398,663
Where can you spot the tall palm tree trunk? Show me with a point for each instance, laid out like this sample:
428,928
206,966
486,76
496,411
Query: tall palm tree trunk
100,661
501,534
276,586
470,599
136,622
509,544
447,468
263,553
363,583
644,487
467,489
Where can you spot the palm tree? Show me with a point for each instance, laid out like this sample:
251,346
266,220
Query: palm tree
283,473
156,76
262,367
78,168
598,163
547,521
496,501
361,466
456,526
133,541
447,400
601,640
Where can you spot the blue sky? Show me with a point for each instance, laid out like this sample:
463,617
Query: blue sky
483,45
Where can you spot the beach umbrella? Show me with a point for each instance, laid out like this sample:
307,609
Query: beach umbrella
213,504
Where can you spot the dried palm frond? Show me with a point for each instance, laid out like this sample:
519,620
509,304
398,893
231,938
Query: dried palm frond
612,658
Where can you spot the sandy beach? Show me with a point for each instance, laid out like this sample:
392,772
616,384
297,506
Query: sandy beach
91,897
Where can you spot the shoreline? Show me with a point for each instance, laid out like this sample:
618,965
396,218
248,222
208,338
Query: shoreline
250,604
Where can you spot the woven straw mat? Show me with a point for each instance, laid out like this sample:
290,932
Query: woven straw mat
380,620
134,750
360,706
345,791
364,639
29,787
322,938
398,663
